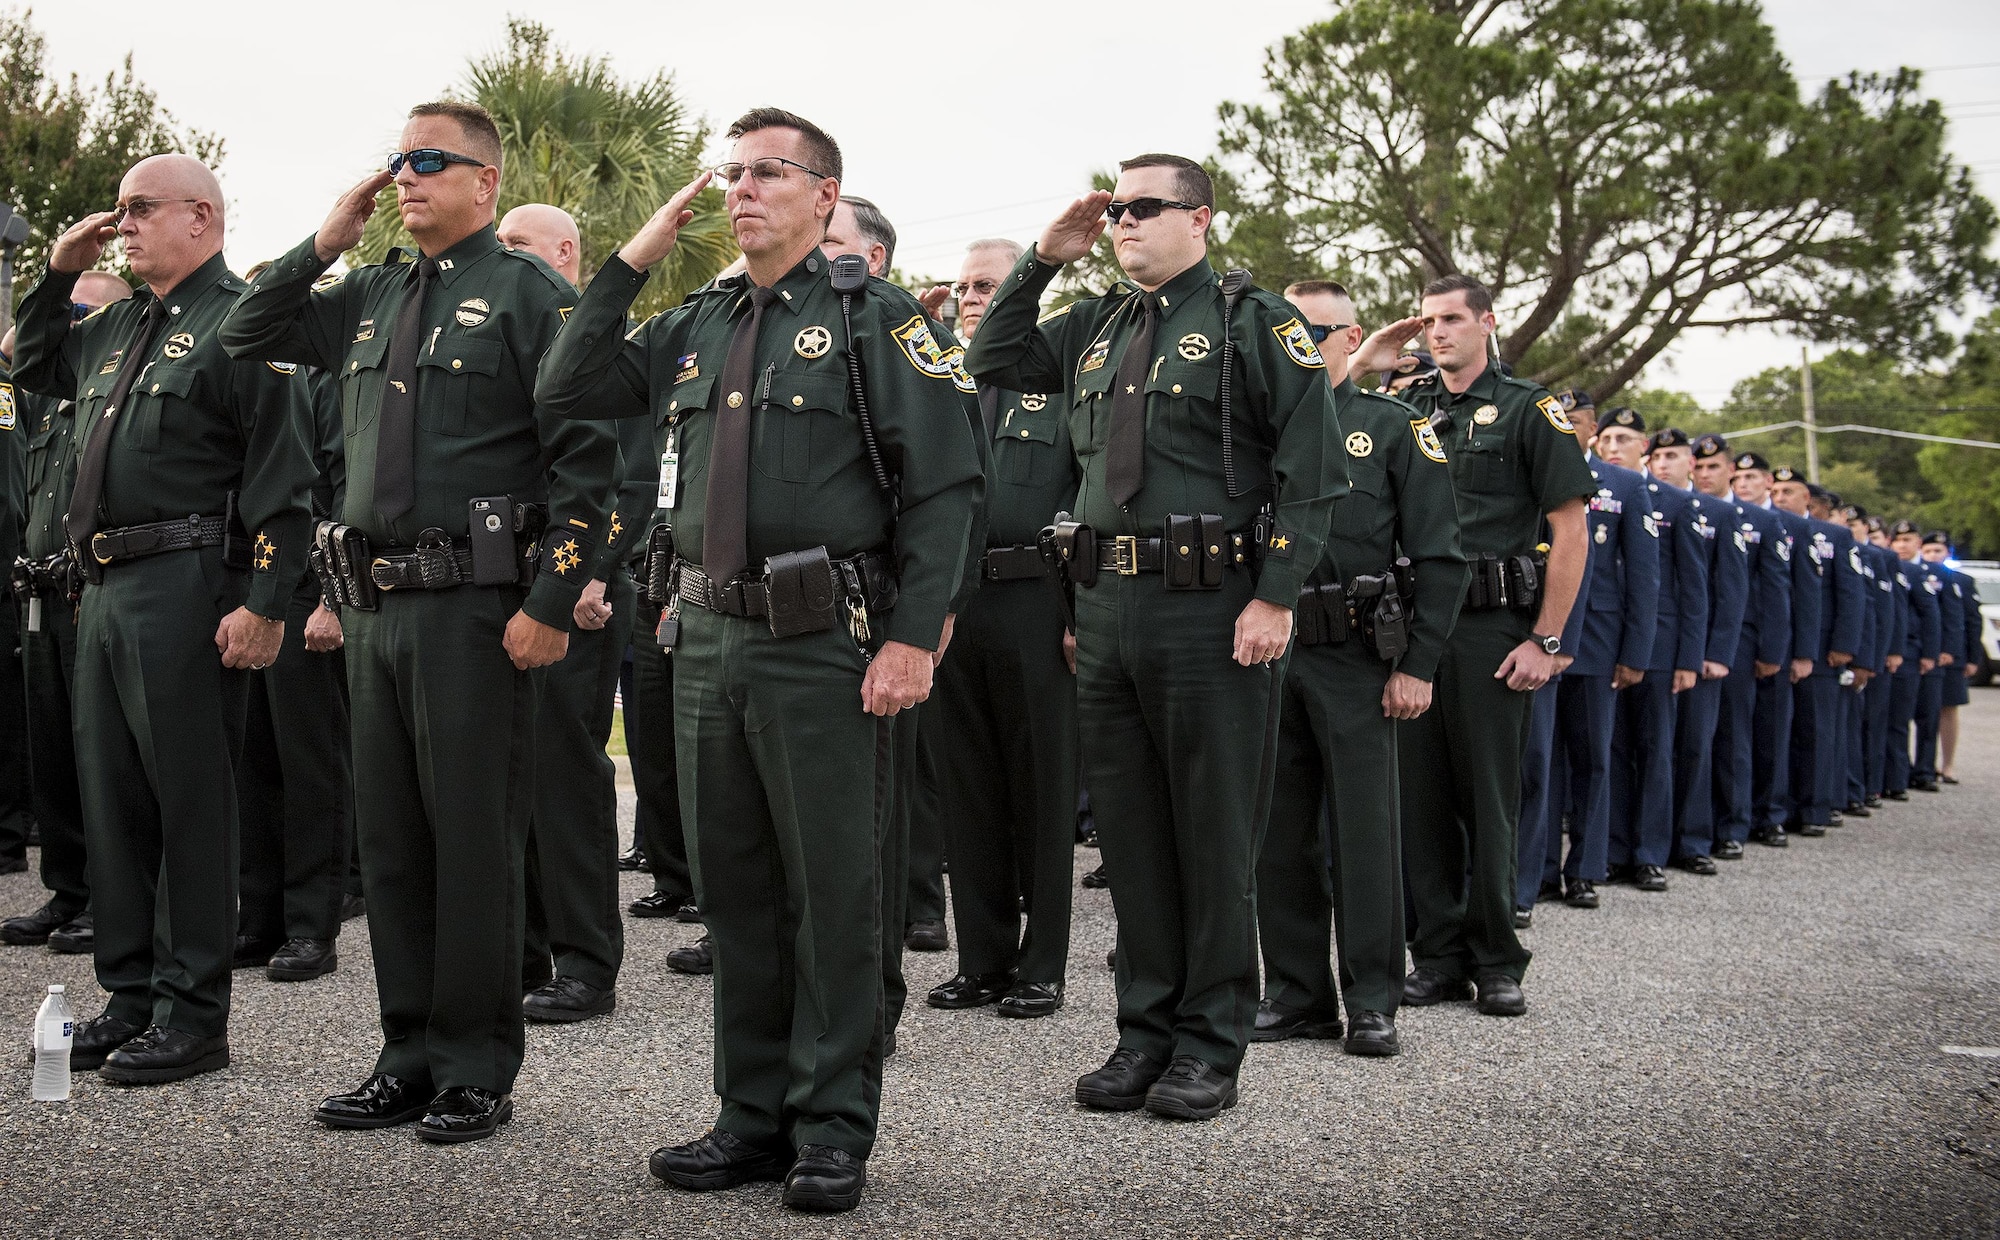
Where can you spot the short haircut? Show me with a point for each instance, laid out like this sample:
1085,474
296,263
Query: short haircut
1190,178
1311,288
481,134
1477,299
821,151
1012,249
875,226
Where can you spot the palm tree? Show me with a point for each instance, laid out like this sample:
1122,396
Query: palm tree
607,152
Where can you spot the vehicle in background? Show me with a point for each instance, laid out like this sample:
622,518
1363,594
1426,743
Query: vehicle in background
1987,574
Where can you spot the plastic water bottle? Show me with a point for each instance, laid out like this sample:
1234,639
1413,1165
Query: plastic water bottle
54,1029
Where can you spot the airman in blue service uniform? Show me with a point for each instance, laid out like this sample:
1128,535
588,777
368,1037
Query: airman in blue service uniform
1771,723
1878,697
1726,564
1967,655
1863,741
1761,648
1939,683
1566,775
1816,774
1923,639
1642,739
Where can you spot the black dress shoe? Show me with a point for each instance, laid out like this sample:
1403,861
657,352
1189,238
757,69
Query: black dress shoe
353,906
1278,1023
716,1160
1029,1000
970,990
1623,873
1947,779
697,957
33,929
1372,1035
689,913
1728,850
161,1055
1191,1089
926,936
1694,863
1121,1084
567,1000
465,1113
825,1180
1550,890
301,960
78,938
1424,987
1873,801
1810,830
1649,878
1500,995
632,859
1524,918
1924,785
1111,959
1856,809
1770,837
1897,796
1581,893
383,1101
657,904
253,952
1096,879
96,1038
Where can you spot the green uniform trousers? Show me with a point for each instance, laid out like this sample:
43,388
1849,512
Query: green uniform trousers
917,778
1461,780
785,780
910,799
649,739
572,874
1178,753
1004,717
444,752
159,722
1337,750
295,788
48,658
17,811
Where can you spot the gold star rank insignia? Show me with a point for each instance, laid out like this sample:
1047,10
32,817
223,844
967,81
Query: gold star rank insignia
1281,542
566,557
617,526
263,552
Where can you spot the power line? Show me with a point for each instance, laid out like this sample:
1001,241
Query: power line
1796,424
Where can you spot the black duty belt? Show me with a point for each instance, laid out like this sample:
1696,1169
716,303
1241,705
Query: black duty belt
1514,582
1129,556
135,542
52,576
748,594
1012,564
439,565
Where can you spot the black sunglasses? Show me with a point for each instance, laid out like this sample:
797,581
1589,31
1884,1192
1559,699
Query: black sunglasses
1145,208
429,160
1320,331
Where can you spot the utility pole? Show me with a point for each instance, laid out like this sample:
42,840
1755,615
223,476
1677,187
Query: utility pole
13,231
1811,418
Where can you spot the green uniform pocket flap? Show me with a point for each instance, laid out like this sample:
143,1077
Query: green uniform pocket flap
826,391
463,357
366,354
689,396
171,381
1185,381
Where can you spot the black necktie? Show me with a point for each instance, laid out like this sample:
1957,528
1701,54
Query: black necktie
1125,462
396,419
989,407
81,521
724,537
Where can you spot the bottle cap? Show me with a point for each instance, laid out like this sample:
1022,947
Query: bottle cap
55,990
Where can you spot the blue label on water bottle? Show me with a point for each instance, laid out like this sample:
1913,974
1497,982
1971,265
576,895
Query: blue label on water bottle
68,1031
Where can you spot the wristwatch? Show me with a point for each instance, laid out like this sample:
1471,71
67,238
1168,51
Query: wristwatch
1549,645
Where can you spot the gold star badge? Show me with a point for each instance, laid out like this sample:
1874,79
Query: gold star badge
566,556
264,552
1281,542
617,526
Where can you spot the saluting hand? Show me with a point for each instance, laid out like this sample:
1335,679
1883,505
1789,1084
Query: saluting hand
656,237
933,298
342,230
79,248
1380,351
1070,235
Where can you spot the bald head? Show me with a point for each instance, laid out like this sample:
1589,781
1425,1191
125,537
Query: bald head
173,218
549,233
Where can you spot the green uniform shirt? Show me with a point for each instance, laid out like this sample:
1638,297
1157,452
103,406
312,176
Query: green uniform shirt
810,482
1400,503
1034,474
15,431
487,320
197,425
1287,435
51,470
1513,458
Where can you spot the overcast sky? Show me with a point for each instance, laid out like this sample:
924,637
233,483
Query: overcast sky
962,120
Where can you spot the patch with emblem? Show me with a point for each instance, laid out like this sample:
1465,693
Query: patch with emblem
1740,544
565,557
1552,410
1933,585
1785,549
1055,314
813,342
111,363
1427,439
472,312
1359,444
7,414
1094,359
1652,526
1193,347
1486,415
1034,402
284,368
1298,344
328,280
365,331
960,377
924,353
263,552
1281,544
687,368
1854,559
179,345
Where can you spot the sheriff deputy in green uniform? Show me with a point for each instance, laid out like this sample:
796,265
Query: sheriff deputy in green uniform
1514,464
458,488
1372,629
43,579
190,512
807,603
1210,456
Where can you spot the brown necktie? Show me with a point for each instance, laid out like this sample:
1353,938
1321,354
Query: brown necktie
1125,460
724,537
81,520
396,418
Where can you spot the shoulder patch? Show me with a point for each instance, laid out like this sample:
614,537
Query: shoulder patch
327,281
1298,344
1056,313
8,416
1552,410
921,348
1427,439
284,368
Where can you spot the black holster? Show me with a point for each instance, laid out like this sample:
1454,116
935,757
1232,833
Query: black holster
341,557
1194,552
799,592
659,564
